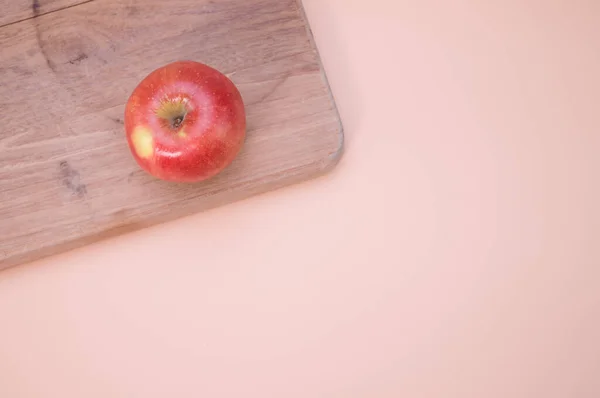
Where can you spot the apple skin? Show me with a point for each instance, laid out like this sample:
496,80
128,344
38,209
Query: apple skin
185,122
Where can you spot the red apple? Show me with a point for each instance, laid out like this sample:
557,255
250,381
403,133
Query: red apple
185,122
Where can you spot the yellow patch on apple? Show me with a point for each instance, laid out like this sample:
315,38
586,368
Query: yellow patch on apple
143,143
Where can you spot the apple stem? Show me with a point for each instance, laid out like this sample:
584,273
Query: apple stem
177,122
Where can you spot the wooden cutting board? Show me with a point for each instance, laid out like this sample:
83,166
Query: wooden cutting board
67,68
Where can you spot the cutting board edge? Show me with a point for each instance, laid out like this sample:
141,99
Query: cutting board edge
313,44
307,173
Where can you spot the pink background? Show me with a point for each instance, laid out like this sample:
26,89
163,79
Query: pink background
454,252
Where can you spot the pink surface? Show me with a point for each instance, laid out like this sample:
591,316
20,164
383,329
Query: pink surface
454,252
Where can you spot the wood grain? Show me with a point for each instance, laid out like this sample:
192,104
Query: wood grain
66,175
19,10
